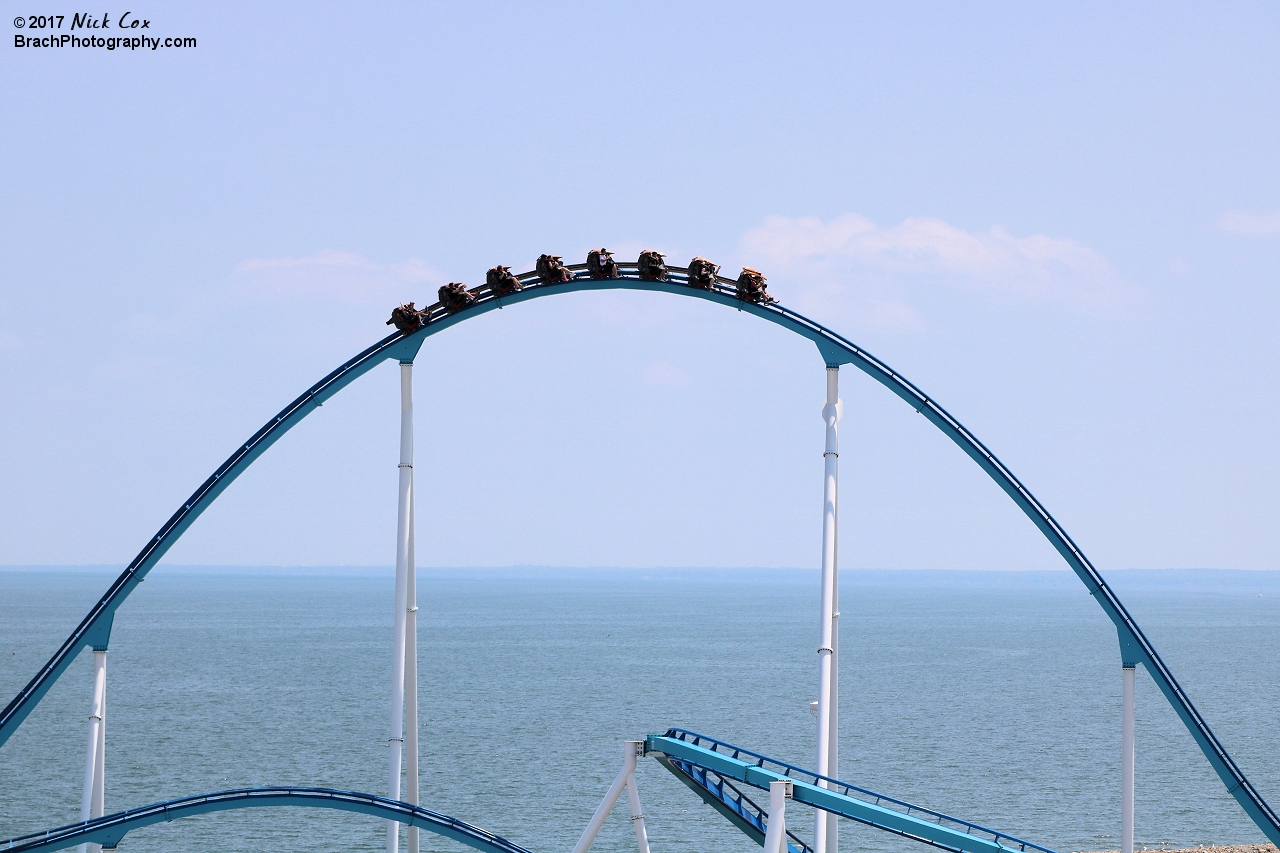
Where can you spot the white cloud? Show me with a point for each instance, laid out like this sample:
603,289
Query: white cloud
850,247
341,276
1250,223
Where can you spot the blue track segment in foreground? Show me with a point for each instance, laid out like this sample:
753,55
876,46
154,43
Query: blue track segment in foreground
94,631
682,747
108,830
725,797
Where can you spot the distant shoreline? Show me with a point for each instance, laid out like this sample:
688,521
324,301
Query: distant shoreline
1256,582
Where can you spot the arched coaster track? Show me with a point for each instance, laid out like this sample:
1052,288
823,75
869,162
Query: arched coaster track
95,629
110,829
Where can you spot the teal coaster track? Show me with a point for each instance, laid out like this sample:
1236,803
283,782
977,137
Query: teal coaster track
108,830
94,630
708,766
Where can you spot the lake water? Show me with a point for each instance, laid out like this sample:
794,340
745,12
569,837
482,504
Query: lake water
991,696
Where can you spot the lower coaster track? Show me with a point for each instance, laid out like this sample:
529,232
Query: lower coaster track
710,767
725,797
109,829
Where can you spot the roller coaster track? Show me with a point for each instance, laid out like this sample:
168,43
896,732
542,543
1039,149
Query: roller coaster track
109,829
95,629
725,797
706,765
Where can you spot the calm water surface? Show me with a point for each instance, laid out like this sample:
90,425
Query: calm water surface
994,697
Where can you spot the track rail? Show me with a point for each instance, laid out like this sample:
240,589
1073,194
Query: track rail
832,795
845,789
94,631
725,797
108,830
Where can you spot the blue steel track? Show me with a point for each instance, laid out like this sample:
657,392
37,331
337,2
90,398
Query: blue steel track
94,630
109,829
708,766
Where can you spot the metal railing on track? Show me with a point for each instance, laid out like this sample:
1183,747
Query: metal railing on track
719,791
109,829
791,771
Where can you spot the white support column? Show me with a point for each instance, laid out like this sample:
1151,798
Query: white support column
833,742
411,683
92,769
630,749
637,816
100,761
826,647
775,835
1126,763
403,521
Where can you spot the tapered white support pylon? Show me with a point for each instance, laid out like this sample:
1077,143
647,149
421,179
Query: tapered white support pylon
827,618
91,802
775,835
626,778
404,521
637,816
833,738
411,686
1126,763
100,755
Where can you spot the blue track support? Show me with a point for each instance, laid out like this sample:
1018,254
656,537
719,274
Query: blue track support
108,830
690,749
723,796
835,350
94,631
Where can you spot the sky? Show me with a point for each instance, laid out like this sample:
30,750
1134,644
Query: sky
1060,220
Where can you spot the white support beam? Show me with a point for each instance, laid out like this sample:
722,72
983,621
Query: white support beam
637,816
411,684
775,835
624,779
827,618
833,737
403,523
1126,762
94,774
100,758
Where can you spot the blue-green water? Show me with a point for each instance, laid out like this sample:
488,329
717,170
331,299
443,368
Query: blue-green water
994,697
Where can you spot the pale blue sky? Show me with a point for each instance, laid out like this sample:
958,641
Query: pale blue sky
1060,220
